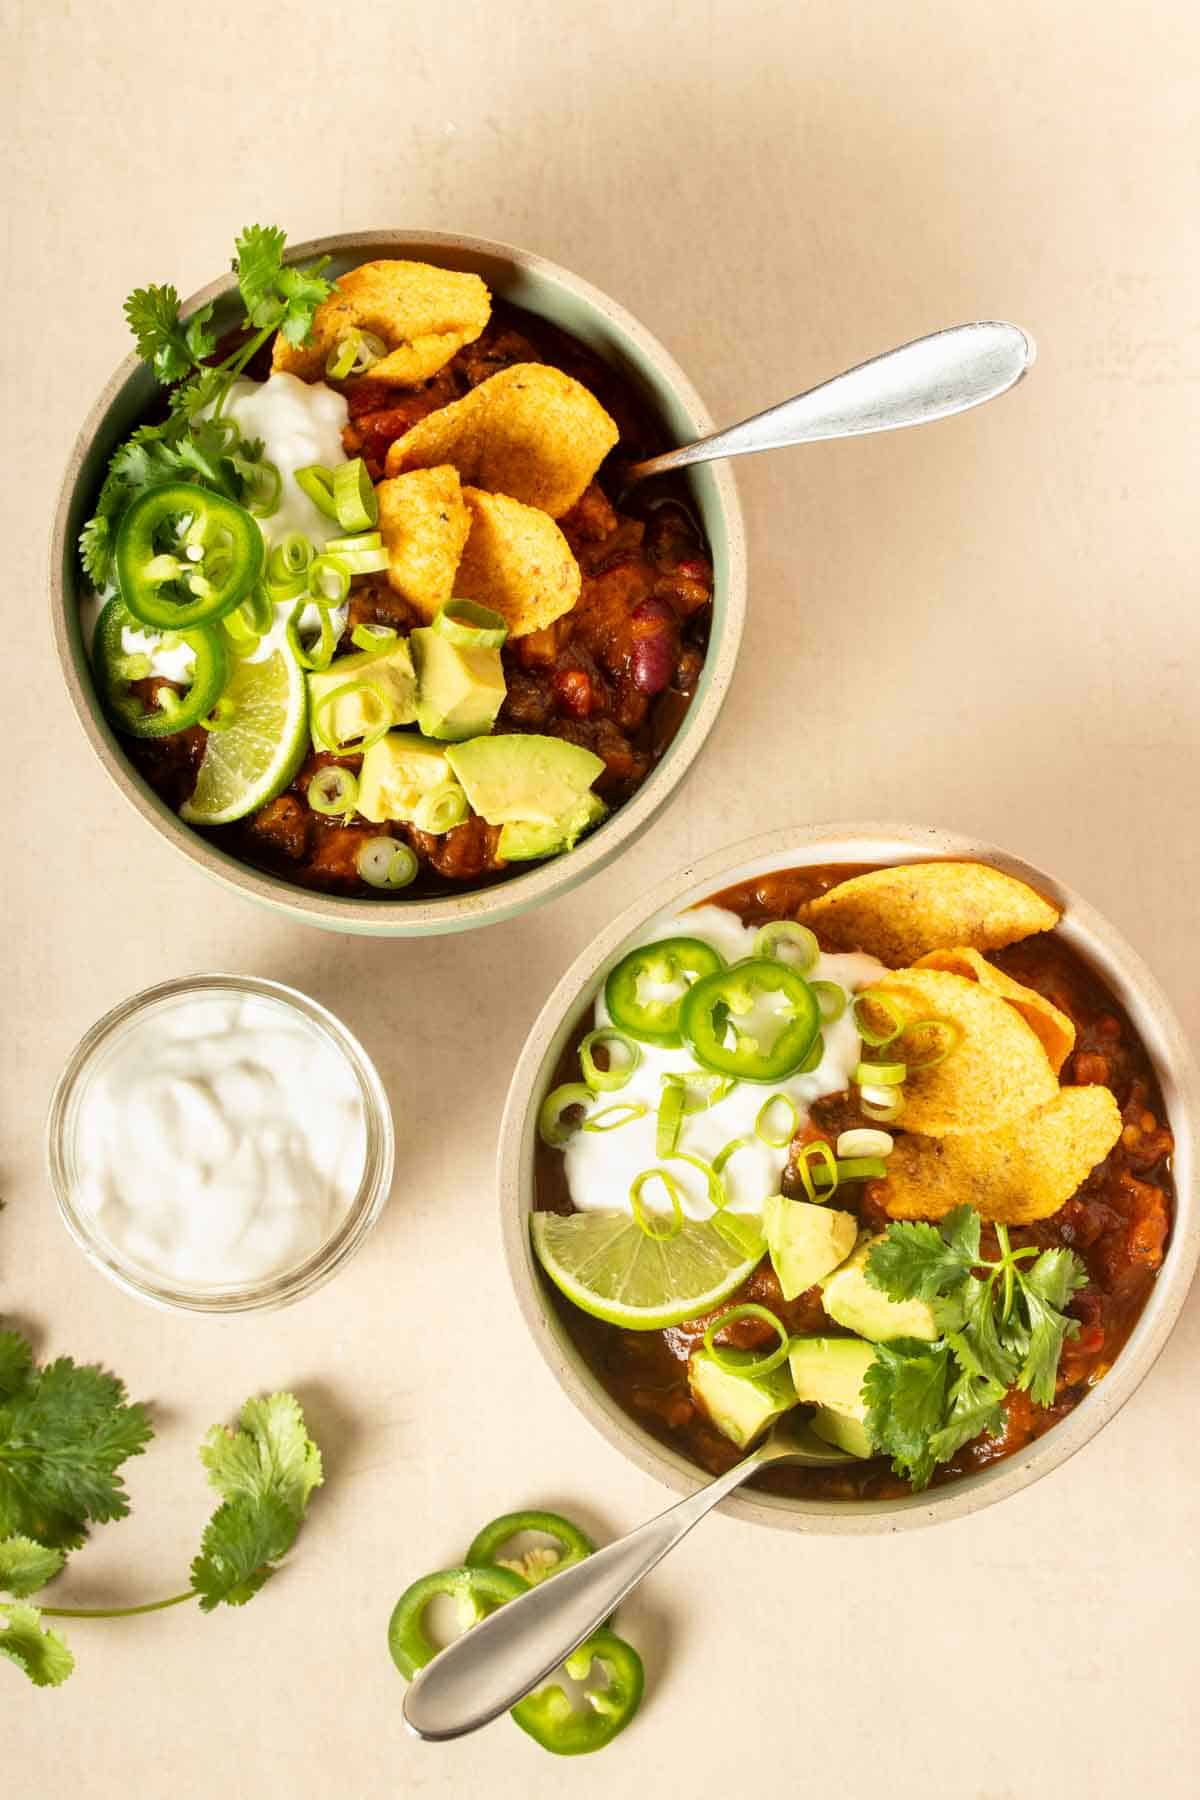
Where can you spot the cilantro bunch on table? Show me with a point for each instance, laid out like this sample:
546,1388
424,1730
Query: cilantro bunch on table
188,446
1004,1324
65,1431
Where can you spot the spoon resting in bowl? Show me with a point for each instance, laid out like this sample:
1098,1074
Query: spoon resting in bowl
931,378
514,1650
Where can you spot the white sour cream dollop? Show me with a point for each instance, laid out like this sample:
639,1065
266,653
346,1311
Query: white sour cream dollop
601,1165
220,1141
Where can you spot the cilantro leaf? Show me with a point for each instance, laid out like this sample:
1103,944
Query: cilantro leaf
16,1363
275,295
1055,1277
241,1543
25,1566
303,289
995,1358
42,1654
257,264
1043,1292
975,1406
271,1454
63,1436
921,1262
153,317
905,1394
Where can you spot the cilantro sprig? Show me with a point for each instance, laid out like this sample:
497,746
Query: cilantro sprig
65,1431
1003,1322
188,447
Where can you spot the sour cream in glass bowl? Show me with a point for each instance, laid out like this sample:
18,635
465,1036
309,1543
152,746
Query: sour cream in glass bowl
219,1144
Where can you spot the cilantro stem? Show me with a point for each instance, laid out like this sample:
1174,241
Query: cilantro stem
1007,1266
114,1612
233,365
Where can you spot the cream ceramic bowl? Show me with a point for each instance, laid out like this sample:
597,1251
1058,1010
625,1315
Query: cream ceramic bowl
1086,932
552,293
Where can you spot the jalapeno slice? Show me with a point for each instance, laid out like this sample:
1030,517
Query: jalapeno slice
477,1592
725,1016
552,1721
185,556
115,670
537,1564
646,991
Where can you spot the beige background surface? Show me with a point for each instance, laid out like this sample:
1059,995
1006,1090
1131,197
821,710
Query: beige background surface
991,625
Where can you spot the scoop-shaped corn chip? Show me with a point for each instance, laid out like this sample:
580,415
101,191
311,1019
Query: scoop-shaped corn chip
902,913
1024,1171
996,1068
424,522
424,315
516,561
1052,1027
530,432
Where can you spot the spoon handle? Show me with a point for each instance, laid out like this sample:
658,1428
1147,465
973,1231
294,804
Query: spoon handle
487,1670
925,380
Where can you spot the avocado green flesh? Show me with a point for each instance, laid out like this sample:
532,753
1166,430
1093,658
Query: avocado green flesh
843,1431
460,687
806,1241
521,840
830,1371
740,1406
850,1299
352,716
397,773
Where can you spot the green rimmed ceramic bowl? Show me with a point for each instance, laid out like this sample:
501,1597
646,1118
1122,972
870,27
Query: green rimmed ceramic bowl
552,293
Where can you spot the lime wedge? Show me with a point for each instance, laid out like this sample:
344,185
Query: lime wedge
261,748
609,1267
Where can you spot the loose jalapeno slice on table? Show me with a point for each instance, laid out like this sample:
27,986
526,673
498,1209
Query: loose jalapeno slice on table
646,990
477,1591
185,556
571,1545
115,671
722,1019
551,1719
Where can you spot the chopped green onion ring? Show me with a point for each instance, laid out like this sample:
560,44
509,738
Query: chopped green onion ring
328,569
731,1149
263,490
701,1088
334,790
473,626
555,1125
831,999
377,638
787,941
441,809
608,1039
866,1031
851,1168
611,1118
757,1365
357,540
354,353
883,1105
879,1074
670,1119
671,1189
385,863
861,1140
716,1195
824,1155
319,655
323,734
782,1136
953,1037
354,503
316,483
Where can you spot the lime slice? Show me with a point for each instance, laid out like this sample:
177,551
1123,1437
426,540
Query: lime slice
609,1267
260,749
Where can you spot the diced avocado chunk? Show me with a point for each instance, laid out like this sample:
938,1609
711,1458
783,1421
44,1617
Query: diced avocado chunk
842,1430
397,773
852,1300
829,1371
460,687
742,1406
524,779
522,841
805,1241
390,674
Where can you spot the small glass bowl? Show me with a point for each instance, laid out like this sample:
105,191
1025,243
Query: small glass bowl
289,1284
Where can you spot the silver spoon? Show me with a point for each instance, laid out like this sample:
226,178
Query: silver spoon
514,1650
931,378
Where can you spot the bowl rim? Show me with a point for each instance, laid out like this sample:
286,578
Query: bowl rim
542,881
1085,929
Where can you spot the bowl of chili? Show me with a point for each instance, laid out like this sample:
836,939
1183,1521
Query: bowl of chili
1131,1228
311,875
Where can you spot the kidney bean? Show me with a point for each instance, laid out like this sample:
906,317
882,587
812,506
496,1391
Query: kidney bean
573,689
655,642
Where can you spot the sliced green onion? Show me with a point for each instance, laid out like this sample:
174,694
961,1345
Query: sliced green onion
291,556
757,1365
441,809
323,734
851,1168
555,1123
869,1033
819,1149
815,1057
670,1119
787,941
953,1036
674,1195
879,1074
715,1194
365,562
376,638
354,503
316,482
701,1088
354,353
358,540
831,999
320,654
328,580
860,1140
610,1040
383,862
334,790
611,1118
402,870
222,715
881,1104
256,610
731,1149
781,1135
477,627
263,490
